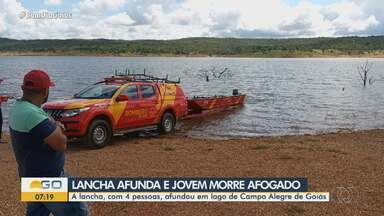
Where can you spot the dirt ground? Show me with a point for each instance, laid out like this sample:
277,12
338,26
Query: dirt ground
349,160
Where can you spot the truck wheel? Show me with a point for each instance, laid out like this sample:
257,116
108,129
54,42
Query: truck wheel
167,124
99,133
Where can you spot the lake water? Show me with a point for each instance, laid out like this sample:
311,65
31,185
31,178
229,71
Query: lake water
284,96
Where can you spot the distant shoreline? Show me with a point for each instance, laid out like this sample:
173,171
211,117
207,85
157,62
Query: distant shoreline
10,54
344,47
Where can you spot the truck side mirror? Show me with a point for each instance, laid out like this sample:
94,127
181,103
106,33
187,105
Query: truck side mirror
121,97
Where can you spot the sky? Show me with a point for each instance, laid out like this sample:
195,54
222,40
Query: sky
173,19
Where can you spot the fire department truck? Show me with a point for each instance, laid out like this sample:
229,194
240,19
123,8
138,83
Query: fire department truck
127,103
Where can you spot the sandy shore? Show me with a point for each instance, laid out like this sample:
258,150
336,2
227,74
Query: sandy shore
329,161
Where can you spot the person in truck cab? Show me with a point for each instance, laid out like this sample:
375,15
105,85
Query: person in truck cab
39,143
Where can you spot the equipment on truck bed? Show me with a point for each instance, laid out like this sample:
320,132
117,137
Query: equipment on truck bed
138,77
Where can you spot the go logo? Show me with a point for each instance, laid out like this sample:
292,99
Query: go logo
46,184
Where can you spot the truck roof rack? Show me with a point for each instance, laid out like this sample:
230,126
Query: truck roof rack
137,77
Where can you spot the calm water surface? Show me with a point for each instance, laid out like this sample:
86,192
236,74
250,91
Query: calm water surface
285,96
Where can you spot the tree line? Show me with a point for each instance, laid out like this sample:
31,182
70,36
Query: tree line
293,47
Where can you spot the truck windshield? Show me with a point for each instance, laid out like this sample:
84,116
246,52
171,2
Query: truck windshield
98,91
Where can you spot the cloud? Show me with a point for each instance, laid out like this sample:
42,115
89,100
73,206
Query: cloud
121,19
351,18
53,2
10,11
169,19
97,7
375,8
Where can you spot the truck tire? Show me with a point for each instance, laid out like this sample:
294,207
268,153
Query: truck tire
167,123
99,133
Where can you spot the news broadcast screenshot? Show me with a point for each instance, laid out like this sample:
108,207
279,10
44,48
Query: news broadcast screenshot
191,107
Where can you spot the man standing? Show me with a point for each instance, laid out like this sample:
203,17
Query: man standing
39,143
2,99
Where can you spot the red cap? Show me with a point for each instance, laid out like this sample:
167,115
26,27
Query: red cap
37,79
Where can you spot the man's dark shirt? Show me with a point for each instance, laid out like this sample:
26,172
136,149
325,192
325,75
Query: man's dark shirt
29,126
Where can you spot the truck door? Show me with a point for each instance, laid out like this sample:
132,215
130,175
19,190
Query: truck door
132,116
149,102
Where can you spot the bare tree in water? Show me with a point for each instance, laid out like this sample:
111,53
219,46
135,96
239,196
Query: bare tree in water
204,73
212,72
364,70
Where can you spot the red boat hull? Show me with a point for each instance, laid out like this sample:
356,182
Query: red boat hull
196,105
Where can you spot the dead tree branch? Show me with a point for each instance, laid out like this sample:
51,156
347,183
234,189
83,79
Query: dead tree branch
212,72
363,71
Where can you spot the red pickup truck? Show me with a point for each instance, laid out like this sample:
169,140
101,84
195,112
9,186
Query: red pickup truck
123,104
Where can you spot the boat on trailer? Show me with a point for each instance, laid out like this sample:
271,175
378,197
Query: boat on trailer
199,106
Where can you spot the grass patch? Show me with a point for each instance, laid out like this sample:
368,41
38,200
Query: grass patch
288,157
295,210
259,147
167,147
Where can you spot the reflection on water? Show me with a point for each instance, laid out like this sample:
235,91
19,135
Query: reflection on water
284,96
